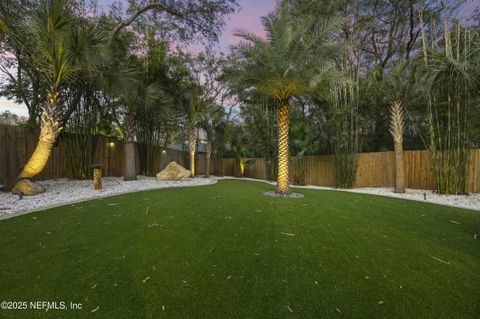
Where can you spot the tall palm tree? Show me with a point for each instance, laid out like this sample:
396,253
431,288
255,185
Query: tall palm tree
59,59
396,86
294,58
212,119
141,96
193,106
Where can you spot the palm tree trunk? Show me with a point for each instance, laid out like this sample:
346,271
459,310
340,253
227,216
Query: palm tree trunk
49,129
208,155
192,145
399,168
283,121
129,173
396,129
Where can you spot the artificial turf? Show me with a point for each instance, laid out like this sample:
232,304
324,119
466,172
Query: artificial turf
228,251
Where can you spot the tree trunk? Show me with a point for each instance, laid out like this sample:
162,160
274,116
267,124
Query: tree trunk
129,173
283,120
192,145
399,168
49,130
396,129
208,155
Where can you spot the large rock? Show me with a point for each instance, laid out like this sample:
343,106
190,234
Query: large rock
27,188
173,172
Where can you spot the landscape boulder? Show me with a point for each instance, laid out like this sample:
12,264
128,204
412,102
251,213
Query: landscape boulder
27,188
173,172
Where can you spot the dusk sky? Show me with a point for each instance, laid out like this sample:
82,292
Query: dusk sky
248,17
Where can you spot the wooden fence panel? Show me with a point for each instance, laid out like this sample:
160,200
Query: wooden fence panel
375,169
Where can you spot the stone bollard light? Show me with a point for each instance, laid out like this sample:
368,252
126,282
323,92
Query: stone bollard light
97,176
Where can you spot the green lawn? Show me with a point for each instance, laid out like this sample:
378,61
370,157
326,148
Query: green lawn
227,251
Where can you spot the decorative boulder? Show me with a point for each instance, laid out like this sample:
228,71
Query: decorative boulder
27,188
173,172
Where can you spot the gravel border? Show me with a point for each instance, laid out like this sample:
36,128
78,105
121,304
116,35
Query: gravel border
277,195
63,191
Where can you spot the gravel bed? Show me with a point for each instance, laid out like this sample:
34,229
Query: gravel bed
64,191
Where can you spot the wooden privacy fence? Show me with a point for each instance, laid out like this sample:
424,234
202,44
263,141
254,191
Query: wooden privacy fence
374,170
17,145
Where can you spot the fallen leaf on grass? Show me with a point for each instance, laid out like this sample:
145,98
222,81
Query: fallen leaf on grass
163,308
94,286
94,310
229,277
288,234
338,310
380,302
146,279
316,282
442,261
289,309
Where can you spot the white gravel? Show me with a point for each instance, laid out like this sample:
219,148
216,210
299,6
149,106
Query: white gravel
64,191
471,201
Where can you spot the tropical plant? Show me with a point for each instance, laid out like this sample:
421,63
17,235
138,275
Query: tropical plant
396,86
142,95
192,107
212,121
397,124
53,48
303,141
449,78
345,141
296,56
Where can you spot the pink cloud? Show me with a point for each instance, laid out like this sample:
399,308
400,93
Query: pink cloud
248,18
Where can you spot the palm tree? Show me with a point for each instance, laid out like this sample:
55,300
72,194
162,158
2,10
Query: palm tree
59,59
397,124
294,58
396,86
141,96
211,120
193,106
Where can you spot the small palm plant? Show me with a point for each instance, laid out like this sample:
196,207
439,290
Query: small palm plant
294,58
